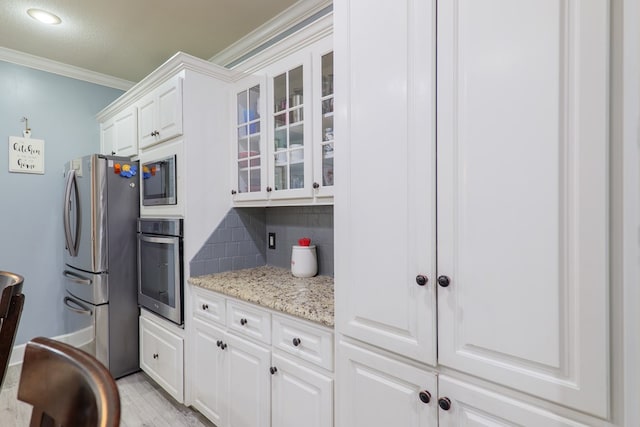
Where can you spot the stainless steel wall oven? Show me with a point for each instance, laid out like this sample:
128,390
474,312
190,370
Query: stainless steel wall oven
160,267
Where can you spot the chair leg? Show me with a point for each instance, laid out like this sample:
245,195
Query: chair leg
8,332
40,419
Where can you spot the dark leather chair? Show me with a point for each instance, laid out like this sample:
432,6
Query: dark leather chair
67,387
11,303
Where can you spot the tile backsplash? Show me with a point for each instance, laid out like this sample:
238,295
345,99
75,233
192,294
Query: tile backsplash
292,223
240,240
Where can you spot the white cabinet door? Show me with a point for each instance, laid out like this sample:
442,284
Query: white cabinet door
160,113
146,121
107,137
126,138
375,391
523,196
161,356
473,406
385,202
248,383
169,114
250,160
290,132
208,372
300,396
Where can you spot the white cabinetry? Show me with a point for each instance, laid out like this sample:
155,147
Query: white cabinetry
161,354
119,135
284,130
239,380
522,200
160,113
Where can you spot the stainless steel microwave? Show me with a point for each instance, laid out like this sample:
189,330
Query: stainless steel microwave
159,182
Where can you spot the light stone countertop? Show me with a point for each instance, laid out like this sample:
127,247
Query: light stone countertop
276,288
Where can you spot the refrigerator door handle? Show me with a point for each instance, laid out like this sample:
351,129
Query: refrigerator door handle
76,306
72,246
76,277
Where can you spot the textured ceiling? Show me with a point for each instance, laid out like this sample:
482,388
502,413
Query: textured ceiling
130,38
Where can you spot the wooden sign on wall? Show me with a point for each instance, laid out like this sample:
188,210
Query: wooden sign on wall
26,155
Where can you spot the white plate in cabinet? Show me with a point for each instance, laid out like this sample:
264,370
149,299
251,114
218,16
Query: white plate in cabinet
161,357
249,321
299,395
209,307
304,341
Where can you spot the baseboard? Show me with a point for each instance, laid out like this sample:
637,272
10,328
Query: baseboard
76,339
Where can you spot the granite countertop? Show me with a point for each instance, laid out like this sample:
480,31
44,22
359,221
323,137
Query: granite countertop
276,288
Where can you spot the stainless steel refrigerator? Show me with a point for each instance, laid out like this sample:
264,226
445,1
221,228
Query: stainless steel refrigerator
101,205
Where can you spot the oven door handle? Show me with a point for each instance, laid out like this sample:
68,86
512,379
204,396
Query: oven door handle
76,306
158,239
76,277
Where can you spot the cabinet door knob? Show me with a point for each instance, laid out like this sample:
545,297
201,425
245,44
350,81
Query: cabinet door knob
233,192
444,403
421,279
425,396
155,355
316,185
223,346
296,342
444,281
205,306
273,370
219,343
269,189
243,321
113,153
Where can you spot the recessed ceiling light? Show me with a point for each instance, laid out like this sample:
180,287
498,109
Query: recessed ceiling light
44,16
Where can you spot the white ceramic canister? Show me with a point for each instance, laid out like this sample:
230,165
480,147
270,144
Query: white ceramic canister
304,262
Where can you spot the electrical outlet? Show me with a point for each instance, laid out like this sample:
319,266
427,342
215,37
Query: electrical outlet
272,240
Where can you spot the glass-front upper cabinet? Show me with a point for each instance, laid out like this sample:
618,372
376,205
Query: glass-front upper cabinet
290,170
250,168
323,129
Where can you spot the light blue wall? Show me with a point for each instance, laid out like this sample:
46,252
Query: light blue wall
62,112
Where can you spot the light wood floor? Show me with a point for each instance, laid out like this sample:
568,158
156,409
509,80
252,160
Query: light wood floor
143,404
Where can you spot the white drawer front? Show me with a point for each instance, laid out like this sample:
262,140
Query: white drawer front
312,344
208,306
249,321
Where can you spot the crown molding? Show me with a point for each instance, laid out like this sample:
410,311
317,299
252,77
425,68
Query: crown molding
295,14
177,63
55,67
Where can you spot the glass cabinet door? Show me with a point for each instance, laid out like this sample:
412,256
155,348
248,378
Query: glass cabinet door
326,64
288,130
248,151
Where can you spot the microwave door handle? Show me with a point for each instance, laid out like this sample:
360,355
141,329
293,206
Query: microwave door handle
76,306
76,277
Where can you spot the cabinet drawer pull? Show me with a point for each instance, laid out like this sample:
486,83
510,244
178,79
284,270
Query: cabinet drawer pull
273,370
243,321
425,396
296,342
444,403
155,355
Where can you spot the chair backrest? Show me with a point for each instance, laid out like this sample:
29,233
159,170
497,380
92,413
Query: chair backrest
67,387
11,302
